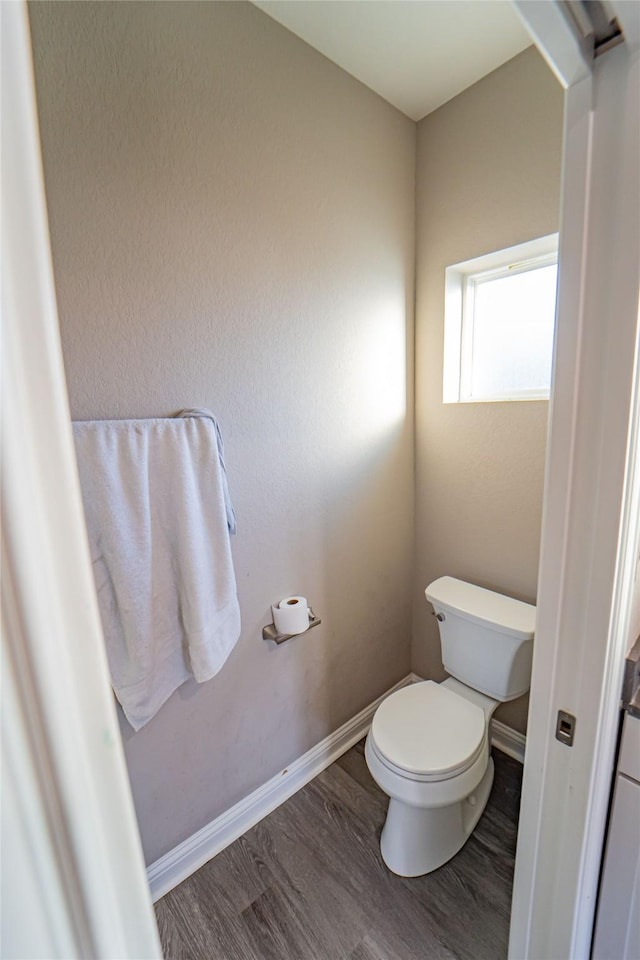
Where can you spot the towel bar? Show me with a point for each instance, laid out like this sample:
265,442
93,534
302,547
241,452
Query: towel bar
270,633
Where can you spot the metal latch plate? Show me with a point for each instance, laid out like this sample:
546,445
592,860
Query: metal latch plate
565,728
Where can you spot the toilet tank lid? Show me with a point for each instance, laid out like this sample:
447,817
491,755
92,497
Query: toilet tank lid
484,606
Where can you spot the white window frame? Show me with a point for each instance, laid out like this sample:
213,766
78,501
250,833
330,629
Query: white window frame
461,282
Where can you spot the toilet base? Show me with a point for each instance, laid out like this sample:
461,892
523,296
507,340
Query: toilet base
417,840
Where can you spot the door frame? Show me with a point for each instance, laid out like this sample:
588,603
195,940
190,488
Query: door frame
591,516
74,875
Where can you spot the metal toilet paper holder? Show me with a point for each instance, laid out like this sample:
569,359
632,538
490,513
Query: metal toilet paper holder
270,633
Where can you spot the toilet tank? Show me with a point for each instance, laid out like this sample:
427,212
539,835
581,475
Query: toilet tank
486,638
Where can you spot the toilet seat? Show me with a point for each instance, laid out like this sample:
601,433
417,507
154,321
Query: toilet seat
427,732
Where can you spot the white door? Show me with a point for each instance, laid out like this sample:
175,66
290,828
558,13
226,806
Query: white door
590,523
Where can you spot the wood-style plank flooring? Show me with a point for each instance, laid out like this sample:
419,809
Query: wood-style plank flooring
308,883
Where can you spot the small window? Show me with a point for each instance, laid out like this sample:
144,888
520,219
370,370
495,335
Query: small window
499,323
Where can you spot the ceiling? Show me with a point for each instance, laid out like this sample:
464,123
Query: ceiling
417,54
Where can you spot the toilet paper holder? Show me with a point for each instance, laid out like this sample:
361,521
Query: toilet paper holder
270,633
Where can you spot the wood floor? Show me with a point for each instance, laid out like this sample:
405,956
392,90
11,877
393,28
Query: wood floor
308,883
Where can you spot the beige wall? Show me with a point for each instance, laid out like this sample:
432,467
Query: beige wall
488,176
232,221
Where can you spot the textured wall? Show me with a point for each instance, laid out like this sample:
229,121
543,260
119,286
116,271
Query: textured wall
232,221
488,176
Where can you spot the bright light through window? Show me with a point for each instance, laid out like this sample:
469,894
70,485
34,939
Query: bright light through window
499,324
512,335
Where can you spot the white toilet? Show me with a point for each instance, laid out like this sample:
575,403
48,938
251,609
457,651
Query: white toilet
428,747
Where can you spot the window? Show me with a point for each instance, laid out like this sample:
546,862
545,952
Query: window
499,322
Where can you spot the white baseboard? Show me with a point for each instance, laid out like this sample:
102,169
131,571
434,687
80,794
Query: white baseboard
508,740
178,864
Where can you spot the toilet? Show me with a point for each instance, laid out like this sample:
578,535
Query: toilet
428,747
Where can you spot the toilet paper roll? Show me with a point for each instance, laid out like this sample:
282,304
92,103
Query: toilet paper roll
291,615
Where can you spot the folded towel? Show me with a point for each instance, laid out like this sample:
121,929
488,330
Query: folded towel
157,517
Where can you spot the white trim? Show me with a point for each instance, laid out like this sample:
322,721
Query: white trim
187,857
45,931
80,859
508,740
556,38
502,261
178,864
589,543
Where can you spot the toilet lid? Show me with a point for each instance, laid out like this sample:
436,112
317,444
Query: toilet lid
426,728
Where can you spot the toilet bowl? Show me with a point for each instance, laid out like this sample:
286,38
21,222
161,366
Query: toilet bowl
428,746
437,785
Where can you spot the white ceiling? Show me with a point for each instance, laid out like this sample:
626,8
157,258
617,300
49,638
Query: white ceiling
417,54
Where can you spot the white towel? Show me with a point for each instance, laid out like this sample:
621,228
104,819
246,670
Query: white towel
154,497
202,412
